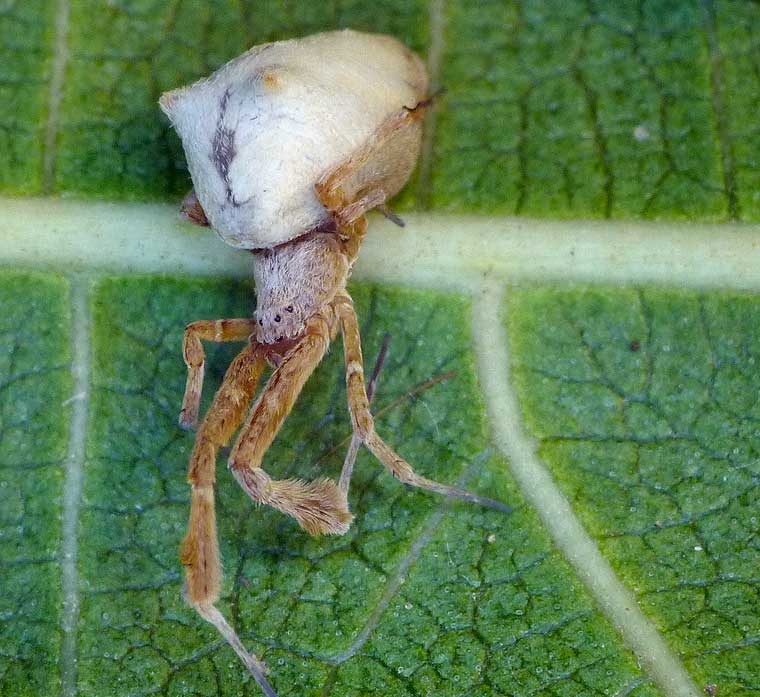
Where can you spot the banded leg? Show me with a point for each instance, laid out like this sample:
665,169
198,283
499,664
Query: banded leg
318,506
376,170
353,449
363,423
218,330
200,551
351,212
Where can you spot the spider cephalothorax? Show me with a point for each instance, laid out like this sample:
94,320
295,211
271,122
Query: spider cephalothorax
294,280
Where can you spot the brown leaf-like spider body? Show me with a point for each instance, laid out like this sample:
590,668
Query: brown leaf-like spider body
302,305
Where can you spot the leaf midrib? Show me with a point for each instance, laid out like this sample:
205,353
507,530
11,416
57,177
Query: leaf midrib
446,252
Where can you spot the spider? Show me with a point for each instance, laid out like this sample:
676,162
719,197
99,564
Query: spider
289,146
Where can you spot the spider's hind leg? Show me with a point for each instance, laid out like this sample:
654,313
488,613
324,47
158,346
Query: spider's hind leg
363,422
318,506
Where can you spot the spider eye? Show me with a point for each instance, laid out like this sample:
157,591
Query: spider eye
277,318
261,322
280,338
289,308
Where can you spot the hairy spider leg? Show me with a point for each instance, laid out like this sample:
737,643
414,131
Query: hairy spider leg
199,552
218,330
375,171
353,211
344,482
318,506
363,423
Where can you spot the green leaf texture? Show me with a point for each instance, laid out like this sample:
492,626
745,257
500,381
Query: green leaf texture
641,401
420,597
586,109
645,404
27,39
35,385
553,108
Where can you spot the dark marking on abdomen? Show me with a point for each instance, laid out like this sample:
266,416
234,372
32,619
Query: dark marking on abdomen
223,147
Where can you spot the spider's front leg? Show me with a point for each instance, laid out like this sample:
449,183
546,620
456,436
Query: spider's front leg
218,330
318,506
363,423
200,550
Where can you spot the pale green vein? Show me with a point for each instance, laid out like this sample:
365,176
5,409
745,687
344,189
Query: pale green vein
405,564
438,251
615,601
55,94
72,492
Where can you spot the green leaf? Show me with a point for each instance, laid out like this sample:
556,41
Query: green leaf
421,596
735,36
27,39
583,109
553,108
640,404
34,386
645,404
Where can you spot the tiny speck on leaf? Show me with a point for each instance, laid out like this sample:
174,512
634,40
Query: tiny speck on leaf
641,134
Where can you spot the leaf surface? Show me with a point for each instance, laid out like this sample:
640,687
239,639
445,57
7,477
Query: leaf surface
414,599
645,405
640,401
34,387
559,109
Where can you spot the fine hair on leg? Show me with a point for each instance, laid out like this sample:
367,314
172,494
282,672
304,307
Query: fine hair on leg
364,425
200,551
318,506
353,449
